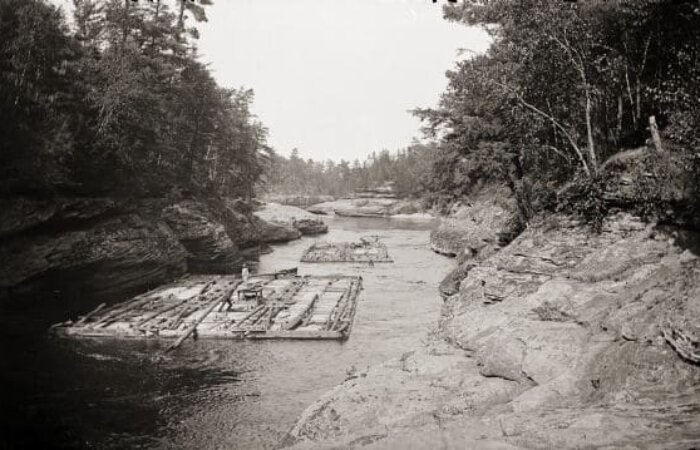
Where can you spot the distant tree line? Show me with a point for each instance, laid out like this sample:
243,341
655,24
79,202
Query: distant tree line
564,88
408,169
118,103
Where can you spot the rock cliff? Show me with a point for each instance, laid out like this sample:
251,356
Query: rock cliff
562,339
83,245
112,248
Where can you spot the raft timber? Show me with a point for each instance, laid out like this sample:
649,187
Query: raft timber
265,307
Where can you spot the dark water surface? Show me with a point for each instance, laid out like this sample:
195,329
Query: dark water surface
214,394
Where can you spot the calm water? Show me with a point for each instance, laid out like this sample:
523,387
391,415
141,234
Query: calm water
216,394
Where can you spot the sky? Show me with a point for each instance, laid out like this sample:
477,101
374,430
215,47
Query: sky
335,78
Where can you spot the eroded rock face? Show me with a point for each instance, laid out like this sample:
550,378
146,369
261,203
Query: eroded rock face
109,257
209,247
563,339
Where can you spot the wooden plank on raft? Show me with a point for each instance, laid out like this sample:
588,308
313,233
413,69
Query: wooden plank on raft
159,312
90,314
295,334
209,309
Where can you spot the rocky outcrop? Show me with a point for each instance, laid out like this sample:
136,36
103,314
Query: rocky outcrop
368,207
300,201
475,230
472,233
563,339
69,247
293,218
272,232
209,247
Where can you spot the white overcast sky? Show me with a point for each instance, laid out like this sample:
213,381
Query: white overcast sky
335,78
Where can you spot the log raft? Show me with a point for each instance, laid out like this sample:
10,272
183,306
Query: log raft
368,250
210,307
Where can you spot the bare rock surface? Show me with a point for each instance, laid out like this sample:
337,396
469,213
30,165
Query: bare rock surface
562,339
292,217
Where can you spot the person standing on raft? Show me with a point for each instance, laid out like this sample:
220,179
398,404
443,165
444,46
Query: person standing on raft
245,274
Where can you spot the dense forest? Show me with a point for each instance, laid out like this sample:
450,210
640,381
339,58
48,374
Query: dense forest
118,103
409,169
564,90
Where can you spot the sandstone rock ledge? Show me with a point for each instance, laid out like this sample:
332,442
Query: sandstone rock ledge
563,339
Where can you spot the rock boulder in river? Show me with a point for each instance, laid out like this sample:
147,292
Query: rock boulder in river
563,339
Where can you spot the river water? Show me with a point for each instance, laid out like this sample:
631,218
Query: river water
218,394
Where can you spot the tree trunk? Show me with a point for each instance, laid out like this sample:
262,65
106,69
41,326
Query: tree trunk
655,134
589,132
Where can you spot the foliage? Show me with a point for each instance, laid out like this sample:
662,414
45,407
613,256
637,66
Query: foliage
120,104
564,87
409,170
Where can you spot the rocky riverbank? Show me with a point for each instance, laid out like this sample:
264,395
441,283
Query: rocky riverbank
564,338
113,248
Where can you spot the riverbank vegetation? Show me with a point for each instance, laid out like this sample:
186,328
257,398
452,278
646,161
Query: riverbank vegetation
563,92
119,104
408,169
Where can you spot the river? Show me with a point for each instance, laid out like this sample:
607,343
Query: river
219,394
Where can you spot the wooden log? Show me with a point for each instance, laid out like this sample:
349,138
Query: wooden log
90,314
209,309
159,312
252,313
294,322
295,334
343,323
654,129
114,314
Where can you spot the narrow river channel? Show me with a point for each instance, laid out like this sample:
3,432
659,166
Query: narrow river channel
222,394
